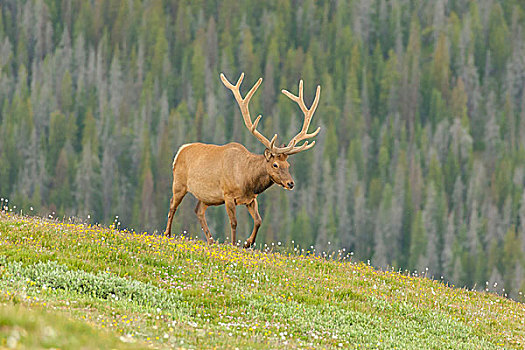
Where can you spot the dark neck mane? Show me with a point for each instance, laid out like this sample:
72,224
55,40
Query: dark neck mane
261,181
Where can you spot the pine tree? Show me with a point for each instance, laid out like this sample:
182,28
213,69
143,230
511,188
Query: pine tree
498,37
87,179
388,102
198,64
326,239
510,257
431,217
361,219
107,171
383,256
344,230
418,242
411,77
57,139
440,69
447,254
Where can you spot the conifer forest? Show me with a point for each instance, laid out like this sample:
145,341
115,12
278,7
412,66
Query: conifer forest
420,163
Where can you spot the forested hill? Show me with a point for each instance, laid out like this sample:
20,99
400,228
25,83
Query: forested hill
420,162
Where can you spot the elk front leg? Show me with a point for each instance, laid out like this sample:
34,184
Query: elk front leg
253,208
178,194
230,209
200,210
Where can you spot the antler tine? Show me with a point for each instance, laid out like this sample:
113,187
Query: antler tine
308,114
305,146
226,82
252,90
239,82
255,123
313,107
272,142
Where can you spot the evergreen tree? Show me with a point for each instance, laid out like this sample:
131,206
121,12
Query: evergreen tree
418,243
344,230
382,240
326,238
87,179
441,64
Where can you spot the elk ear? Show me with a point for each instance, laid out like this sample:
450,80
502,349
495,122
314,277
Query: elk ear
268,154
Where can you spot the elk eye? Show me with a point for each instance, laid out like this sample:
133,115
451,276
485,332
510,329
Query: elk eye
275,165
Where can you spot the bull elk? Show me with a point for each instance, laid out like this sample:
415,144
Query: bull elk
232,175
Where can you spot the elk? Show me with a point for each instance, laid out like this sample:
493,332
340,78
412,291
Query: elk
230,174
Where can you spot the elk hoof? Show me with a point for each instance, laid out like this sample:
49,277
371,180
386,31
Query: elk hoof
167,234
211,241
247,244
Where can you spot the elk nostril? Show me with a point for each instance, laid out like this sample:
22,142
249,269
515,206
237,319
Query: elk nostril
290,184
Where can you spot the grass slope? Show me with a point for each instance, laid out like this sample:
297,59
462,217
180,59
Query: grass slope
182,293
33,328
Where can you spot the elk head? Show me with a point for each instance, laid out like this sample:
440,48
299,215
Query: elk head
279,169
276,157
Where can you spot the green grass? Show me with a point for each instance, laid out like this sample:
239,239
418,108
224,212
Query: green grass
25,327
179,292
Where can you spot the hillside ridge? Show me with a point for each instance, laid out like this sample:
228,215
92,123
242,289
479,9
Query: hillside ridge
179,292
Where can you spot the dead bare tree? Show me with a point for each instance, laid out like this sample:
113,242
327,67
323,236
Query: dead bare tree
232,175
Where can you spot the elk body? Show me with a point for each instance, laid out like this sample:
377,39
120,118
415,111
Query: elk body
232,175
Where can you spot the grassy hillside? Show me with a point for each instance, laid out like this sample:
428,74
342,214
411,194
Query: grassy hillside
139,288
32,327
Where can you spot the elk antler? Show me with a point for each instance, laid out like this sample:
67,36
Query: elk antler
308,114
245,111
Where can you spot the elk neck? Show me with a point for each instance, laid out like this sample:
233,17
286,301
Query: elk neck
260,180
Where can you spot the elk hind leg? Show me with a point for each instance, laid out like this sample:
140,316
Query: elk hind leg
178,194
253,208
230,209
200,210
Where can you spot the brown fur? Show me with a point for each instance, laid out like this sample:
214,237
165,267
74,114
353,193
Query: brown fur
228,174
